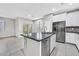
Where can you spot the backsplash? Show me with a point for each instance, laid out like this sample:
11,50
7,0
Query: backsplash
72,29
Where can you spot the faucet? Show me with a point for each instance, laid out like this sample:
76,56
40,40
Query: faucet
45,28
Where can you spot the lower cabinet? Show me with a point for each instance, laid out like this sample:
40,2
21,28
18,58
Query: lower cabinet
52,42
72,38
32,48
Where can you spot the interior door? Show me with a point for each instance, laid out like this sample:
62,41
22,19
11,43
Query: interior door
59,29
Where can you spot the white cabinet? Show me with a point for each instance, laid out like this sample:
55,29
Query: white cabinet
77,41
48,25
72,19
32,48
70,37
52,42
61,17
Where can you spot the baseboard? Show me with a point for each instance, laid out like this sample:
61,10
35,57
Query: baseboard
70,43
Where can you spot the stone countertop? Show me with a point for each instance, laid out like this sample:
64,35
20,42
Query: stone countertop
38,36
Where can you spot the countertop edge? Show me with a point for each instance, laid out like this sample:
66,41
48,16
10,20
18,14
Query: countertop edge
36,39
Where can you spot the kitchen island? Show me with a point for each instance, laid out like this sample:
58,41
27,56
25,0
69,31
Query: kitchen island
39,44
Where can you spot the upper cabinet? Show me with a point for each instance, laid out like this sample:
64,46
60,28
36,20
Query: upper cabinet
60,17
37,26
72,19
48,20
43,25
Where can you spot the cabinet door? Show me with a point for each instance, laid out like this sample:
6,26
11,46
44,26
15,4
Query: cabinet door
70,37
32,48
45,47
67,37
72,19
52,42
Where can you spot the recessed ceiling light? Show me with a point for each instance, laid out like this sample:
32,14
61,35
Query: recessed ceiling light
53,9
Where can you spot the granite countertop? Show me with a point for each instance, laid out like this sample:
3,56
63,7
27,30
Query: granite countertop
38,36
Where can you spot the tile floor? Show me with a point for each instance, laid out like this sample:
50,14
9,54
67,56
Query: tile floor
60,50
65,50
11,46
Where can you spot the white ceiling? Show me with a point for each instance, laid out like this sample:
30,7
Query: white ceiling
26,9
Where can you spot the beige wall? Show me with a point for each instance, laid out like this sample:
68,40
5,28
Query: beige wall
8,27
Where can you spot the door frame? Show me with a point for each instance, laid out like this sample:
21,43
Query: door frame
64,30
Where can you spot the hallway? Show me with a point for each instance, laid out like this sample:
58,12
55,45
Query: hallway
65,50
